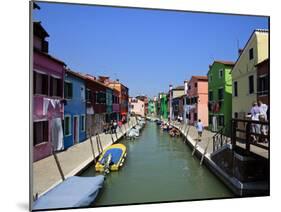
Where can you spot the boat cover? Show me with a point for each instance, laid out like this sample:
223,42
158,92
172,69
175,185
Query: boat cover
116,153
73,192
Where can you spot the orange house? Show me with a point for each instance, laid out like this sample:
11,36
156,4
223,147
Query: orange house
197,104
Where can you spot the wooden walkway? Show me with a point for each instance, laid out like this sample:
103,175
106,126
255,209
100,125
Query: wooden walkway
46,174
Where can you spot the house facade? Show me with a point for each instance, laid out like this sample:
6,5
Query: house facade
145,100
48,75
244,73
123,98
177,105
95,104
220,95
163,102
137,107
198,100
263,81
74,109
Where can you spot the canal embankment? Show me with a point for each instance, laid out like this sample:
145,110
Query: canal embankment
74,160
204,151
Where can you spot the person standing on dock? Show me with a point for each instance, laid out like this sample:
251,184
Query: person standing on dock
199,127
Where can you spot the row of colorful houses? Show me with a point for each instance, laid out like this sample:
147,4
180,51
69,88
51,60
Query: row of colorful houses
227,91
66,103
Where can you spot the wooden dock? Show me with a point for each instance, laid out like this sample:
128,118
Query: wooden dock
73,160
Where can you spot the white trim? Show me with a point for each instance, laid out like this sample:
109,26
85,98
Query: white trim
69,116
40,72
263,75
77,127
56,77
40,120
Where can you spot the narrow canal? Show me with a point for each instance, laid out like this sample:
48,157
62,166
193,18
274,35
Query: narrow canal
158,168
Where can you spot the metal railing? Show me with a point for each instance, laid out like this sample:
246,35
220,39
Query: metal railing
219,139
250,132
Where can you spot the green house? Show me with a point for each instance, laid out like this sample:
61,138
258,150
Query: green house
220,96
151,107
163,106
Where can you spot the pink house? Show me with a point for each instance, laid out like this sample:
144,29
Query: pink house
137,107
48,75
197,94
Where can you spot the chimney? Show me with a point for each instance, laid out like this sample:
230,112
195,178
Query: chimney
185,87
240,51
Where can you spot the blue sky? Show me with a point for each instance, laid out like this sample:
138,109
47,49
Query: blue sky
146,49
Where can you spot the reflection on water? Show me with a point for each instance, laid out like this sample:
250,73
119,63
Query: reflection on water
158,168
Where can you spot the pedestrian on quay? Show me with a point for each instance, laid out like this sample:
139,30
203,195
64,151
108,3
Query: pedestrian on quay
255,113
263,117
114,126
199,127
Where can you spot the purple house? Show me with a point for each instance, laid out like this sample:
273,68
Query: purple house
48,76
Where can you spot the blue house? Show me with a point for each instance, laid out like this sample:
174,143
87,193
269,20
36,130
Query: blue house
74,109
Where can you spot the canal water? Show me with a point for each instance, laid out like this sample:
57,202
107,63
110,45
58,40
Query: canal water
158,168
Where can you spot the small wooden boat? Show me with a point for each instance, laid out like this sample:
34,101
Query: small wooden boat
73,192
158,122
112,158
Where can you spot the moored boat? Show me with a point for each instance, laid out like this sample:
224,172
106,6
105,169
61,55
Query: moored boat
73,192
112,158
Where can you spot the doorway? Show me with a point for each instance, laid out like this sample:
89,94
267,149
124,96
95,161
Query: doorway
75,129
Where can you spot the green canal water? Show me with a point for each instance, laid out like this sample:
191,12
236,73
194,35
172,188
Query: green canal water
158,168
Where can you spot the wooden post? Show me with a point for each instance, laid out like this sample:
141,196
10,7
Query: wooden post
100,143
233,134
248,136
58,165
97,141
92,146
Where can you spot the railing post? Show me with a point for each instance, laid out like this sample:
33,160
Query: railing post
233,135
248,133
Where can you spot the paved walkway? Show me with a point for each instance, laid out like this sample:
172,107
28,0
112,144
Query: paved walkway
72,161
191,134
207,136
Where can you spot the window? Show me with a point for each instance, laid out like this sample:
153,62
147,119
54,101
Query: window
235,115
263,85
210,95
83,123
40,132
220,93
221,120
235,88
195,116
40,83
68,90
210,120
88,94
189,87
195,84
220,73
56,87
251,84
100,97
251,54
67,125
82,90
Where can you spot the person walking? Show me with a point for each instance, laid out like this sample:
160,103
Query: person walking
255,113
263,117
199,127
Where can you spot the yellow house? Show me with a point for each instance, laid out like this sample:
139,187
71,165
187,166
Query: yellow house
244,73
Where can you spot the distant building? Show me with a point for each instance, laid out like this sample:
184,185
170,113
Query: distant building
137,107
244,73
48,75
123,98
198,100
74,109
163,103
220,95
145,100
177,94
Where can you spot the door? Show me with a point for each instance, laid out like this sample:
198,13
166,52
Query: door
76,129
214,124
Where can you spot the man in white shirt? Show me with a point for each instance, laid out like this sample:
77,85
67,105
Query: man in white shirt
199,127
